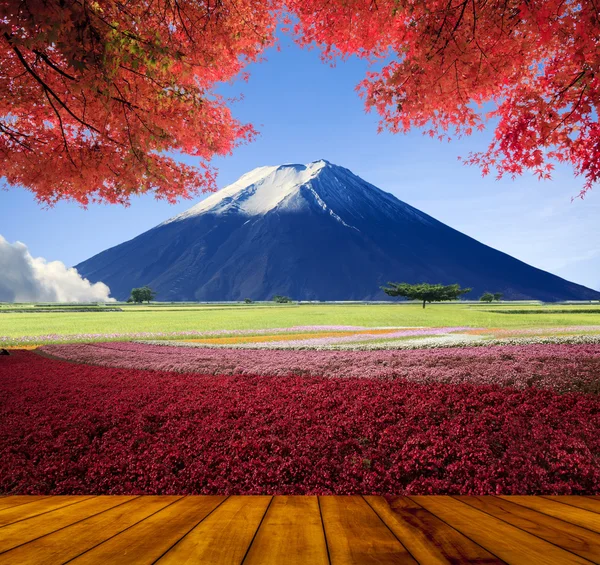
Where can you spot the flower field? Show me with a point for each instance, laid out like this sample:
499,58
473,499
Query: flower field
346,338
560,367
27,340
306,409
319,337
76,428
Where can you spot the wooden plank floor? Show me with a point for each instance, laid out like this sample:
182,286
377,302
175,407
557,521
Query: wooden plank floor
299,529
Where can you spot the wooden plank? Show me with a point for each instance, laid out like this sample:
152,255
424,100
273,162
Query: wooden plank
291,533
70,542
24,511
173,529
566,512
564,534
27,530
425,536
503,540
150,539
224,536
585,502
355,534
10,501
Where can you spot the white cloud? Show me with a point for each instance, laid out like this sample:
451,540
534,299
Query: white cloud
24,278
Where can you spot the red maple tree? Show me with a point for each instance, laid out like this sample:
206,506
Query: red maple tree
536,61
92,95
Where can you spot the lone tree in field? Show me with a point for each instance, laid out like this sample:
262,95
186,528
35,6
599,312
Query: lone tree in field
498,296
143,294
96,97
425,292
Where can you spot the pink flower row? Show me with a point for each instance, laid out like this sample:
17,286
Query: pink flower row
559,367
67,429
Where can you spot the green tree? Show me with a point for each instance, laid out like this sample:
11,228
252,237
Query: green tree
143,294
247,301
498,296
136,295
487,297
425,292
148,294
281,299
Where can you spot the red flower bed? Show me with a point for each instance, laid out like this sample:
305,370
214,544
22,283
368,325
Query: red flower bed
67,428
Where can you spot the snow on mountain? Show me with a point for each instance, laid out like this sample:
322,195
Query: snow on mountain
258,191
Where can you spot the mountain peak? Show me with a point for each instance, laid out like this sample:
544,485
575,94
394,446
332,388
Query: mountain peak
259,190
318,164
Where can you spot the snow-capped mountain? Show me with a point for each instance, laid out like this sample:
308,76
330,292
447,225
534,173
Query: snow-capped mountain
312,232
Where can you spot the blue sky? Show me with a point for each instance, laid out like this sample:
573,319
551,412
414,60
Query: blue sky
306,110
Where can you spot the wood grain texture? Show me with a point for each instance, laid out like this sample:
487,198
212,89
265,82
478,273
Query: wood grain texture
566,512
224,537
24,511
425,536
68,543
10,501
291,533
564,534
29,529
298,530
507,542
586,502
355,534
151,538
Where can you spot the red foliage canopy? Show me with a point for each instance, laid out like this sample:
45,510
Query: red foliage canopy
537,61
92,95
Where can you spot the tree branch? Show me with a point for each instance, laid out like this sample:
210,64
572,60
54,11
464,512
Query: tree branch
48,90
49,62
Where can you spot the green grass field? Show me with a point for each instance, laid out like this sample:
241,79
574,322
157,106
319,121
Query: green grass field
173,317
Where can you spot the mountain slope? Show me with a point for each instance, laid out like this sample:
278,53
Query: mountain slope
312,232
